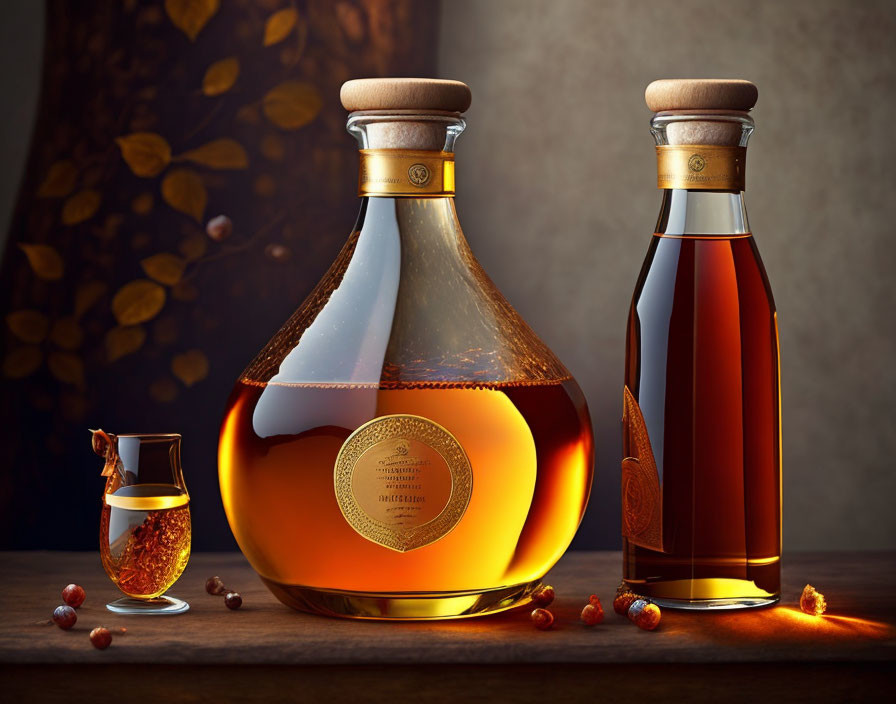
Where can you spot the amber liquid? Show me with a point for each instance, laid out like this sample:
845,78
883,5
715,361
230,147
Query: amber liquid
529,446
145,538
702,362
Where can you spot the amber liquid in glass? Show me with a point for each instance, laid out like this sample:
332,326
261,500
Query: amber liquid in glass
702,363
145,538
529,445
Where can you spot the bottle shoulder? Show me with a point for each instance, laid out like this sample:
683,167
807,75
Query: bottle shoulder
406,302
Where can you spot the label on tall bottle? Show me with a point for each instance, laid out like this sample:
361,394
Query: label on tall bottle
403,481
701,167
642,496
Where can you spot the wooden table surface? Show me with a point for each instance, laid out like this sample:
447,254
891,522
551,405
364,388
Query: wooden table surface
849,650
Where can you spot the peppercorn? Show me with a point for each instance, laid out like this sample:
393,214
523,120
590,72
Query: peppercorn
544,596
542,618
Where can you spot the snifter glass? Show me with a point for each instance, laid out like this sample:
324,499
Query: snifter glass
145,526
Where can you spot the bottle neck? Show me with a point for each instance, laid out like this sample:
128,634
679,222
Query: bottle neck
701,159
406,154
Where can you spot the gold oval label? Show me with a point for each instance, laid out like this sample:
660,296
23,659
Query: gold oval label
402,481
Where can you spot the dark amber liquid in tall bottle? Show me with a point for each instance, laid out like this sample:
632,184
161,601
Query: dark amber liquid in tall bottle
702,364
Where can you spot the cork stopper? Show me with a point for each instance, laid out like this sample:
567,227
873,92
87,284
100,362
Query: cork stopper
418,94
406,113
723,102
701,94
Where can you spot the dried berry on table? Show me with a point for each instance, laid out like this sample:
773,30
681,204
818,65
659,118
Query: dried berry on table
544,596
101,638
214,585
64,617
542,618
635,608
647,617
813,602
622,602
592,615
73,595
232,600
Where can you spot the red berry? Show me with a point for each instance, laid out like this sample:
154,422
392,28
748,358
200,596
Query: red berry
592,615
73,595
101,638
64,617
595,602
542,618
544,596
219,228
214,585
622,602
649,617
232,600
635,609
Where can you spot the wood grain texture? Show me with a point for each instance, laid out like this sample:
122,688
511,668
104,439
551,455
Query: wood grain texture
858,628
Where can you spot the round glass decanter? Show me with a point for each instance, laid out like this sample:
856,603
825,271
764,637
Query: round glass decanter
405,446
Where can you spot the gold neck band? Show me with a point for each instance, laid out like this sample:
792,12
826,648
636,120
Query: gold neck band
408,173
708,167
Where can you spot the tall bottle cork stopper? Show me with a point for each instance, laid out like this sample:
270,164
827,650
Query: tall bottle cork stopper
404,96
707,97
701,94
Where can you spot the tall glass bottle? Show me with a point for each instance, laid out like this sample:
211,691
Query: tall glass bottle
405,446
701,474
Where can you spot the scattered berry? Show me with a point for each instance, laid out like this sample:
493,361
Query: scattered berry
101,638
544,596
595,602
649,617
219,228
214,585
622,602
543,619
635,609
592,615
232,600
73,595
64,617
813,602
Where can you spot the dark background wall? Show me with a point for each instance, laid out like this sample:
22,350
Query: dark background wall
557,197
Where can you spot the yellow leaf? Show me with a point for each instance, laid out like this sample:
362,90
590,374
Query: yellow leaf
67,368
87,294
183,190
220,76
124,340
190,367
222,153
142,204
190,16
164,389
59,181
292,104
279,25
137,302
164,268
147,153
28,325
22,362
80,207
66,333
45,261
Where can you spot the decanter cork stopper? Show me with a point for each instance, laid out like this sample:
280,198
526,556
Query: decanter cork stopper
701,94
416,94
